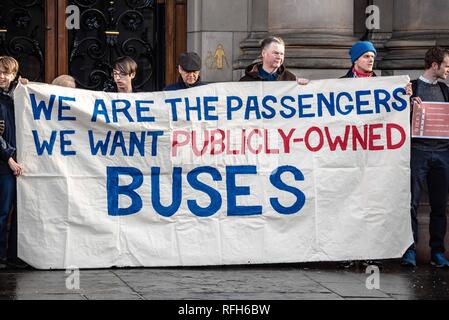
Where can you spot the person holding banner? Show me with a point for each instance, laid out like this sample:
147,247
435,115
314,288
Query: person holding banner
271,68
124,71
363,54
9,168
189,72
429,160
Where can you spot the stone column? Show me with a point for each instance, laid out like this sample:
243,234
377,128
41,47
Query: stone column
257,30
215,29
382,32
318,35
417,26
310,18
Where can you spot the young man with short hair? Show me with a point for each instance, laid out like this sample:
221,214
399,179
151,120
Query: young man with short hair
124,71
9,168
429,160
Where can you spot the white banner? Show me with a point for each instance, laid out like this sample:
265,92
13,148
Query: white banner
227,173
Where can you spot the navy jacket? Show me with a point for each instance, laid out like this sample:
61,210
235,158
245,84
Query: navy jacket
181,85
8,139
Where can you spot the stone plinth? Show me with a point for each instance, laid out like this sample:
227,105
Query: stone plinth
418,25
318,35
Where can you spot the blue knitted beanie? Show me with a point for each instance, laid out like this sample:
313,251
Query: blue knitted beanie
359,49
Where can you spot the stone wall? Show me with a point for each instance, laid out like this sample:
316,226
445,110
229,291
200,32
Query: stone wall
215,30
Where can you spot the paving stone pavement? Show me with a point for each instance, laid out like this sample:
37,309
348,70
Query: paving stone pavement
312,281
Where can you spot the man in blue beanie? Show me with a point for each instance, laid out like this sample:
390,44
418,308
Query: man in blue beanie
362,55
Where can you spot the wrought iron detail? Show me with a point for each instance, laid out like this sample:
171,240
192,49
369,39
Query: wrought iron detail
131,20
93,19
139,4
22,35
110,29
21,18
3,33
85,3
27,3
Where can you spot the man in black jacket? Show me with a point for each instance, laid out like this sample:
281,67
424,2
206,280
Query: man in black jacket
9,168
429,160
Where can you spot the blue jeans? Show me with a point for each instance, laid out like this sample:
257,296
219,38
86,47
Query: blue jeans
7,196
431,167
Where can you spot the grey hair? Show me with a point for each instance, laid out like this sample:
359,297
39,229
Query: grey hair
265,43
64,80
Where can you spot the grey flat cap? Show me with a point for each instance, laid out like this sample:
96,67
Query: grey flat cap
190,61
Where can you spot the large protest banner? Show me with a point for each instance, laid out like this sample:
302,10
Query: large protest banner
227,173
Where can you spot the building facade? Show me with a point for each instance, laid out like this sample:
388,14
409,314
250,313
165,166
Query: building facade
84,37
318,33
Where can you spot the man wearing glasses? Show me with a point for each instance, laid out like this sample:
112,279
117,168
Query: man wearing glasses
124,71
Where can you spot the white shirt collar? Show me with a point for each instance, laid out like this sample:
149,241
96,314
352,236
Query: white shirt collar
427,80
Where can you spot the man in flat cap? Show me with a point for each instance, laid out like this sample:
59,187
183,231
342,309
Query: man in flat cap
189,71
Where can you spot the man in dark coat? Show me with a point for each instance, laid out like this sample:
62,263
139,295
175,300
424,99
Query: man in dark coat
189,69
271,67
9,168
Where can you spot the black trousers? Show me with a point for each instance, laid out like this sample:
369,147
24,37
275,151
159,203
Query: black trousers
431,167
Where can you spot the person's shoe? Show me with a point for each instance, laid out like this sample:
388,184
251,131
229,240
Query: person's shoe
438,260
377,263
347,264
409,258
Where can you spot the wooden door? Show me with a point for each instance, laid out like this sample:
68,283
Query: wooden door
35,33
